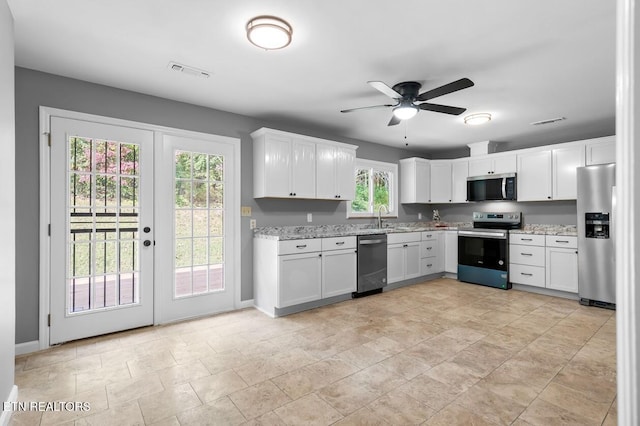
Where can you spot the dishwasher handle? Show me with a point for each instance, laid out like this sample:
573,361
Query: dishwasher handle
370,242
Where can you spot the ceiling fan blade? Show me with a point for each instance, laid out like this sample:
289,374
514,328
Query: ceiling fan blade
394,120
442,108
463,83
367,107
379,85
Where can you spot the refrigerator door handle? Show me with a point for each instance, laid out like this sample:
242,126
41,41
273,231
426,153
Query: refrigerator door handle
612,224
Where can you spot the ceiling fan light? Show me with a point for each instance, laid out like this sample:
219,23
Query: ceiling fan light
479,118
405,112
269,32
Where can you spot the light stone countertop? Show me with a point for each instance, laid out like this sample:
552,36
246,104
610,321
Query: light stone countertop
541,229
327,231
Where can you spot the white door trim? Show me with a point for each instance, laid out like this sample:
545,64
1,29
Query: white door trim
45,114
627,193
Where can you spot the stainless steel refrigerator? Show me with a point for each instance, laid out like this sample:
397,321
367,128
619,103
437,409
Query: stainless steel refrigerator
596,250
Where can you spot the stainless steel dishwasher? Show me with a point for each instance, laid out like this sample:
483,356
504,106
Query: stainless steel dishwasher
372,264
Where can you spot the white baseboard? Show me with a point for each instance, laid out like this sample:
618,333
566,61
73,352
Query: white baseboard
5,416
27,347
245,304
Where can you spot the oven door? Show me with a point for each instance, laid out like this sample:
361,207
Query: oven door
482,259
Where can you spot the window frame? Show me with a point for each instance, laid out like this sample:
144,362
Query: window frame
392,169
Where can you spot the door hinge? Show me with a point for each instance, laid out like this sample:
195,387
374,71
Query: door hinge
49,320
49,229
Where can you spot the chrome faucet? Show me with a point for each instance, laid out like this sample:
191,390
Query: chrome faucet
380,215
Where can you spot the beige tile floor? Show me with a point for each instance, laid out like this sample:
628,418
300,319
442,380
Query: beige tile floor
436,353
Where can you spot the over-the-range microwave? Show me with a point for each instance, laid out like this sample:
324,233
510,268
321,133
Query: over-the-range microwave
492,187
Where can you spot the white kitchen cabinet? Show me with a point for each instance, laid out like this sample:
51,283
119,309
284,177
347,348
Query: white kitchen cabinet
534,176
403,256
284,166
562,263
451,252
565,163
440,181
415,176
527,259
339,272
300,278
601,150
395,263
288,165
432,252
492,164
335,172
459,175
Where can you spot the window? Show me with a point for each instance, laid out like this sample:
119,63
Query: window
376,186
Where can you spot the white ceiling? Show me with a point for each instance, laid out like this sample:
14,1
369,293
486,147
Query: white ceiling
530,60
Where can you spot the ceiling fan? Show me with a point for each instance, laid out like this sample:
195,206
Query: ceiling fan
406,95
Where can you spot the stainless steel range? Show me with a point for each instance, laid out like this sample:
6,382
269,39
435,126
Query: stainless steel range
483,251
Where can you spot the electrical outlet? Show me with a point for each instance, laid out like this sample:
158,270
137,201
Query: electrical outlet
309,217
245,211
419,216
252,224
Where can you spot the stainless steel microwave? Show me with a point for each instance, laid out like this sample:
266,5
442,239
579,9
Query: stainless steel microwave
492,187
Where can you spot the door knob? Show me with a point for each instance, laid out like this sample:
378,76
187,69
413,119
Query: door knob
147,243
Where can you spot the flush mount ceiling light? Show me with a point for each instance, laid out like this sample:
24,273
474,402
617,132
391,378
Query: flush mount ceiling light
405,110
269,32
475,119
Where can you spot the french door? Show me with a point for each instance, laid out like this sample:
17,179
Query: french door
101,229
142,227
196,222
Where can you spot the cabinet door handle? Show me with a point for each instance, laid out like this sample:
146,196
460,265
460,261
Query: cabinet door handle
526,274
429,265
526,239
301,246
428,236
429,248
562,241
527,254
405,245
340,243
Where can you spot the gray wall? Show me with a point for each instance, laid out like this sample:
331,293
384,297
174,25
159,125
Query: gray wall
34,89
547,212
7,211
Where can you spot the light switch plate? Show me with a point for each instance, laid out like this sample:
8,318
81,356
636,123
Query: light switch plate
245,211
309,217
252,224
419,216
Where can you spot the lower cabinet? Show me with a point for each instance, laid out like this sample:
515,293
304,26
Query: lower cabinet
451,252
291,272
432,252
339,269
562,263
403,256
544,261
300,278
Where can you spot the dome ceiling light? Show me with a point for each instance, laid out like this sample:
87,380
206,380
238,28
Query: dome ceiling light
479,118
405,110
269,32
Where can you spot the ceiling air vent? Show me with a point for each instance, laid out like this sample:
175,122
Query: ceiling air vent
192,71
549,121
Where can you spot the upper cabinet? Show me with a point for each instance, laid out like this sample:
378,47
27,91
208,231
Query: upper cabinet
565,162
459,175
601,150
287,165
415,176
336,172
441,181
534,176
492,164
